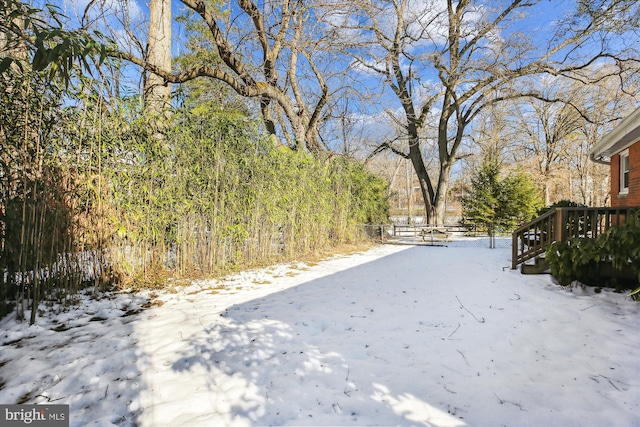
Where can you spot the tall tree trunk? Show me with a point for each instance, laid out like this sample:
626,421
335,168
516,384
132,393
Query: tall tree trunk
423,177
157,92
11,46
440,201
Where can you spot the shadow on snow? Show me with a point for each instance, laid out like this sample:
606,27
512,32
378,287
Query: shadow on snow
313,354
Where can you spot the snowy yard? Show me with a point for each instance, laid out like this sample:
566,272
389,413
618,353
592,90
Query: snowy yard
399,335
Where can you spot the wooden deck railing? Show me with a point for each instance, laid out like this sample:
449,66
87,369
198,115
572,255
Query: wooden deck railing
562,224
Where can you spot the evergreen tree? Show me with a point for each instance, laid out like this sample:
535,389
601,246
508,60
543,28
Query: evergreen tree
502,202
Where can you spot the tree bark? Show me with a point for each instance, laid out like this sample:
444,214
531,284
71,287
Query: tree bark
157,91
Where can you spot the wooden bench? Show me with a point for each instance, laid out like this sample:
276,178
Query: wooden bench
440,233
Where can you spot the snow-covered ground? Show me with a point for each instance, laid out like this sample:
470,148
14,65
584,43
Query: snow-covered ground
398,335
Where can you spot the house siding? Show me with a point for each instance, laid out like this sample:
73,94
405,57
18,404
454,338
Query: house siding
633,197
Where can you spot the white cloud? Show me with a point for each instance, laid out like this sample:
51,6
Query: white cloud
425,22
124,10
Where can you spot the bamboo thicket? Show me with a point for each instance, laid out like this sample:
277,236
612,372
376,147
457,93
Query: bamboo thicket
91,198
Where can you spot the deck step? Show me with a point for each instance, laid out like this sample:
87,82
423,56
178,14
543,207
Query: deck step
540,266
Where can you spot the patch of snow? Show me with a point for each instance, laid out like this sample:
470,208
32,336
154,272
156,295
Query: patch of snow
398,335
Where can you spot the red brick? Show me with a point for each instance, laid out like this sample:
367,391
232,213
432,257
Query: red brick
631,199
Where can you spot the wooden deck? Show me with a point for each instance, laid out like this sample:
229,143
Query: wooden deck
562,224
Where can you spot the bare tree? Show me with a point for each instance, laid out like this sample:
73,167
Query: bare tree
446,61
607,105
270,51
555,138
546,131
493,136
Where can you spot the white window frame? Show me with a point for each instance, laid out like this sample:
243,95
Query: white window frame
624,170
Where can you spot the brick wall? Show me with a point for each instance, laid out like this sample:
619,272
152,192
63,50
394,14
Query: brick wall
633,198
634,175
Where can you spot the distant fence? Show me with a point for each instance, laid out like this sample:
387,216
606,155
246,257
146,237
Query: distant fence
420,219
430,234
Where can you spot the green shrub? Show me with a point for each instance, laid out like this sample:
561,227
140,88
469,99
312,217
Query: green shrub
587,260
561,204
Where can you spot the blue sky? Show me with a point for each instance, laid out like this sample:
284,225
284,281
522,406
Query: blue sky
539,22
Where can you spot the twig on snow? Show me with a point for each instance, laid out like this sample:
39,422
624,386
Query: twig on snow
611,380
614,386
465,359
502,402
450,391
202,324
451,334
49,400
462,306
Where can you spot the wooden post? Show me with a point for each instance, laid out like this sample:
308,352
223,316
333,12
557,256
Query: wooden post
514,250
559,226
